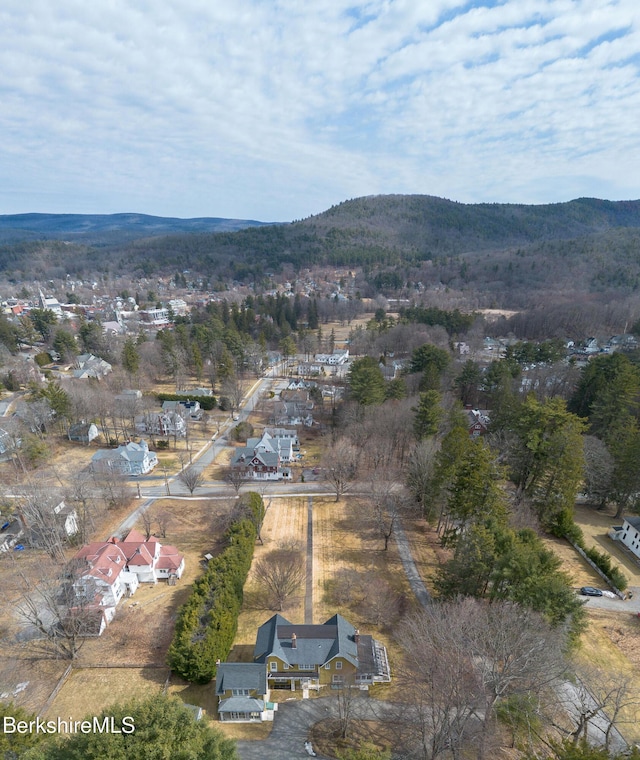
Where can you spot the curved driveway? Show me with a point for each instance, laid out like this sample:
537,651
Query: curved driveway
294,721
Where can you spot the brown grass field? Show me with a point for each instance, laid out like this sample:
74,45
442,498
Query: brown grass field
88,691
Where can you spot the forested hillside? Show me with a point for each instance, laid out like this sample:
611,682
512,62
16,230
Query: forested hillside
505,253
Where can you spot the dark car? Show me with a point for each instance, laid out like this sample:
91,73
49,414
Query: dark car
590,591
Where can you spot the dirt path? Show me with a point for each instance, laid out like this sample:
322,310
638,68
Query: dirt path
308,597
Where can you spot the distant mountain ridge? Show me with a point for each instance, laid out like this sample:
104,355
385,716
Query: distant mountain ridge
503,254
91,227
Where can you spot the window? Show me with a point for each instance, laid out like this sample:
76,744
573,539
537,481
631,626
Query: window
306,667
338,665
327,666
273,667
336,679
240,692
286,666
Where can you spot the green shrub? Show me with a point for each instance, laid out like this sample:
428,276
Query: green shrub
613,573
42,359
242,431
207,622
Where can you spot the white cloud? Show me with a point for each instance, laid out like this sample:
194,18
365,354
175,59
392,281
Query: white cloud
275,110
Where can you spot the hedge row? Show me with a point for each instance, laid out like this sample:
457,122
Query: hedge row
207,622
573,533
206,402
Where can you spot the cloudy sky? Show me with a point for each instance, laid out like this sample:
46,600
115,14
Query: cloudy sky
277,109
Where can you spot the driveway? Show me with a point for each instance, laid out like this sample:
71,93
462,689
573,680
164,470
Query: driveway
631,606
293,721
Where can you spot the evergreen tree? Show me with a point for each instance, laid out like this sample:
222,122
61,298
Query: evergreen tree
163,728
130,357
366,382
429,413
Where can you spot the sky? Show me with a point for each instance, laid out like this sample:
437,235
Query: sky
278,109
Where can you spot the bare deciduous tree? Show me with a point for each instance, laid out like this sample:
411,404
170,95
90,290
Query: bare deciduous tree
381,603
80,491
147,524
464,658
163,521
598,470
60,616
113,488
235,477
340,467
419,475
383,506
192,477
347,694
599,702
281,573
37,507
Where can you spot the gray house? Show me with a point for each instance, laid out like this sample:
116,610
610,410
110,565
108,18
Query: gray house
83,432
129,459
243,693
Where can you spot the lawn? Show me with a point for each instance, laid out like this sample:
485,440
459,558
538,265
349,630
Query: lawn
285,523
88,691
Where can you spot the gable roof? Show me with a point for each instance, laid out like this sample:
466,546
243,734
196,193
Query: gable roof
315,644
241,675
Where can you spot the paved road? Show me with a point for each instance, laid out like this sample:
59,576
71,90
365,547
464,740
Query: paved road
576,697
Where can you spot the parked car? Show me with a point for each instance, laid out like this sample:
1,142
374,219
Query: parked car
590,591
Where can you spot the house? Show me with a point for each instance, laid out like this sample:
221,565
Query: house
155,317
478,422
333,654
629,534
290,433
293,408
591,346
83,432
128,459
333,359
129,395
88,365
186,409
624,342
50,303
200,392
105,571
66,517
178,306
291,413
243,692
261,458
162,423
309,369
282,446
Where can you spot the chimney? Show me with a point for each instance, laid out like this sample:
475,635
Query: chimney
294,641
356,636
